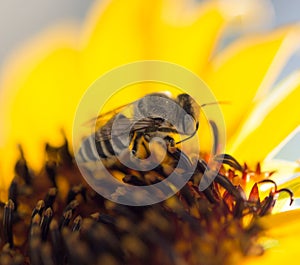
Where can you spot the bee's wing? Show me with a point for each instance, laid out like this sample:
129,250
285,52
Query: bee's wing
121,126
102,119
114,127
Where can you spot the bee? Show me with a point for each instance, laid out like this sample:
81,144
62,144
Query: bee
130,130
132,126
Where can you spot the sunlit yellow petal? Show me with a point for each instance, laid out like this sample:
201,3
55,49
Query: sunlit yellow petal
34,103
189,37
283,231
280,165
285,171
248,66
293,185
269,123
175,31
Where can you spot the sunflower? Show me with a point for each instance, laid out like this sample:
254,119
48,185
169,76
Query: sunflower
43,82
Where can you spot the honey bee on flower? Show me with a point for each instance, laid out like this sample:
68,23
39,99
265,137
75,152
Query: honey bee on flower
67,222
151,115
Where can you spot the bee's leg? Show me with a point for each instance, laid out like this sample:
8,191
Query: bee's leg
177,154
187,166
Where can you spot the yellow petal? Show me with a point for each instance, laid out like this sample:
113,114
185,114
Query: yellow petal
282,235
293,185
284,170
248,66
269,123
159,29
34,103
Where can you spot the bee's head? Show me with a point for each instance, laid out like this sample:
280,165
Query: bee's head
190,120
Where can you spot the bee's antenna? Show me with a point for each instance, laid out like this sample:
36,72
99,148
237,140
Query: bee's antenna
214,103
192,135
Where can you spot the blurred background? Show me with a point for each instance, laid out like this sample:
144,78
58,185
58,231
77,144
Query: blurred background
20,20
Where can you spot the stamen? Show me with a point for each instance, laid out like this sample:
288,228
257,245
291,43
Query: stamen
50,197
289,192
45,223
8,223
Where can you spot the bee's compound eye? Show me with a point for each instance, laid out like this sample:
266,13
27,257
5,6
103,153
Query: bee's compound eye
188,124
172,142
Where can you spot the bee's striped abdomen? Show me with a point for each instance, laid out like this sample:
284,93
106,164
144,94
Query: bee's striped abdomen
88,150
93,150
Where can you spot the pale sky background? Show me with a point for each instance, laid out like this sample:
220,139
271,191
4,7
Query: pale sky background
22,19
